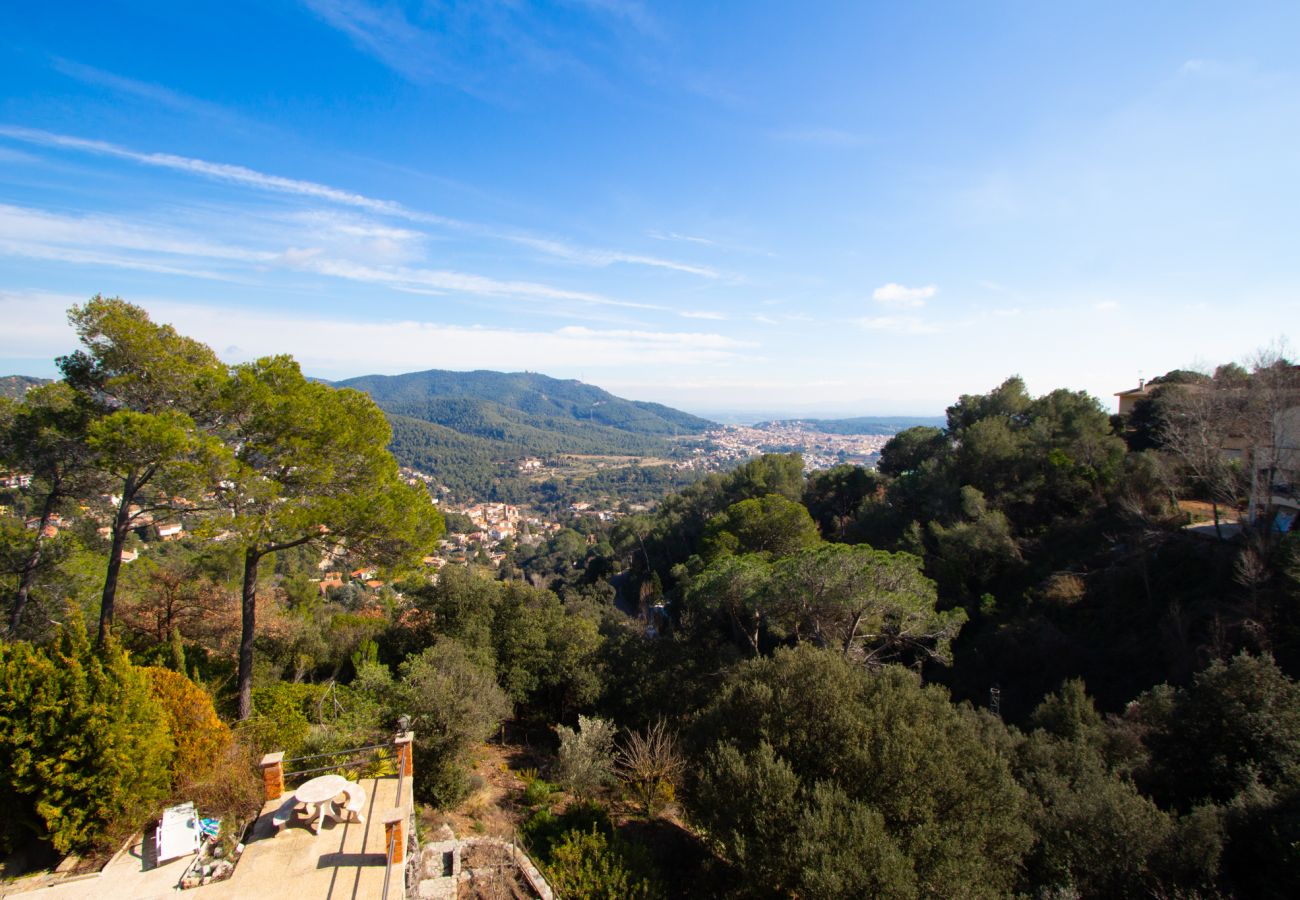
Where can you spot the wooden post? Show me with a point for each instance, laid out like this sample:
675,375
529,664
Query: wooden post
273,775
394,837
404,744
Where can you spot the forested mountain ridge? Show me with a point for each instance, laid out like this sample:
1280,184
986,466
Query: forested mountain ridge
488,403
470,428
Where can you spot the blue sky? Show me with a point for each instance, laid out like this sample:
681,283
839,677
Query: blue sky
814,208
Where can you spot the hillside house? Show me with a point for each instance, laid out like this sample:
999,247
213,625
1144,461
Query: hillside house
1129,399
170,531
1275,488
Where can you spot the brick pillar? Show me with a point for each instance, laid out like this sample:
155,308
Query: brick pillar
394,835
404,743
273,775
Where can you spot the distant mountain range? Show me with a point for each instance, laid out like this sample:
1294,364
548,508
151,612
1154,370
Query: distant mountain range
863,424
464,425
16,386
498,405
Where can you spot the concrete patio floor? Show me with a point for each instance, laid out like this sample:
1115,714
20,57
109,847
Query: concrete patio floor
346,860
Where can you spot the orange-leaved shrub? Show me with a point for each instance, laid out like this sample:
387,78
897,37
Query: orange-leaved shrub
202,739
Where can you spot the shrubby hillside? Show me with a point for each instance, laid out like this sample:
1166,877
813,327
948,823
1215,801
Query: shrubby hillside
15,386
1001,665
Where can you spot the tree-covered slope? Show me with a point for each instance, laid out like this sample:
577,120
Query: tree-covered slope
16,386
495,404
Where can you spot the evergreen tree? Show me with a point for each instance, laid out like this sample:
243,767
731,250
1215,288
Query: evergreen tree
85,750
312,469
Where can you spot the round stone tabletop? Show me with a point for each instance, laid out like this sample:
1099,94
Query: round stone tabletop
318,790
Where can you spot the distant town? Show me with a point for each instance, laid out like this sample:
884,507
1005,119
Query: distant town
499,527
734,444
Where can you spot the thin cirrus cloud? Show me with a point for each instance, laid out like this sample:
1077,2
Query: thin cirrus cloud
224,172
335,347
685,238
251,178
20,226
444,281
602,258
903,297
385,33
111,241
429,43
156,94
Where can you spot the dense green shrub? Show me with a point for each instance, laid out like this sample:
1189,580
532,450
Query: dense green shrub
85,749
901,791
537,792
585,761
280,720
543,829
588,865
454,704
1097,834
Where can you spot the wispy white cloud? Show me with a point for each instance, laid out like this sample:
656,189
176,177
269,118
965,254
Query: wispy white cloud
113,260
686,238
96,240
174,250
898,295
385,32
898,324
224,172
702,314
477,48
723,245
444,281
156,94
38,227
337,347
251,178
630,11
600,258
1106,306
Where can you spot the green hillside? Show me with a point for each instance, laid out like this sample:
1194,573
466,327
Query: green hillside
15,386
470,428
489,403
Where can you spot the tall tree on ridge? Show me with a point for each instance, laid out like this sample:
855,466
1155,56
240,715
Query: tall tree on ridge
312,468
155,391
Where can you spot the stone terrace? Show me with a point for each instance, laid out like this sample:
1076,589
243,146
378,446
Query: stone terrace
346,860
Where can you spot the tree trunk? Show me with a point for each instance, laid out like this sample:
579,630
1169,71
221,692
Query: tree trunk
32,563
121,527
853,633
248,626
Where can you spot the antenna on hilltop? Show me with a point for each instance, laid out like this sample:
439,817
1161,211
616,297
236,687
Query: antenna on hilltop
995,700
